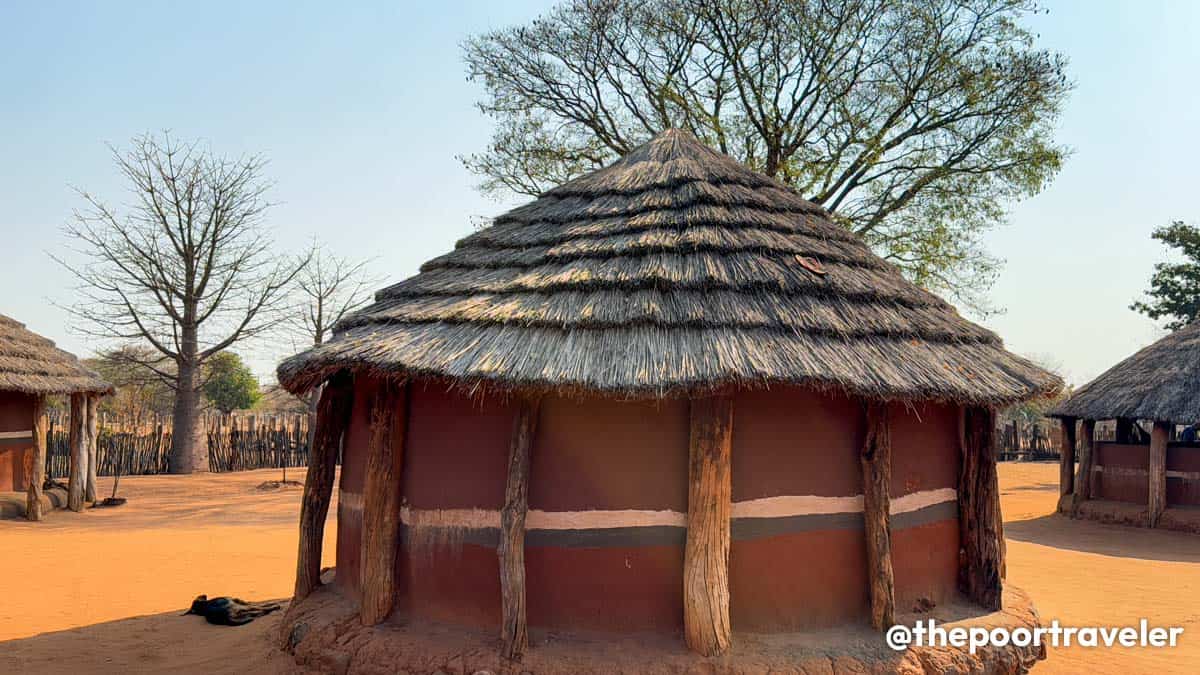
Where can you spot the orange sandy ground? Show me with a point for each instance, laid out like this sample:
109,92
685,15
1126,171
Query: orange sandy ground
72,581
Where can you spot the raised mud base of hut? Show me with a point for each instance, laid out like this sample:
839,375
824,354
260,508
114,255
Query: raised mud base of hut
324,634
12,504
1177,518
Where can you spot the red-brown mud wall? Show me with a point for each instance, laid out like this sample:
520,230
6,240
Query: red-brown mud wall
793,442
456,460
1183,488
1124,477
16,418
608,498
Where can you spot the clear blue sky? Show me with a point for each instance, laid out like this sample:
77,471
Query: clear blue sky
361,108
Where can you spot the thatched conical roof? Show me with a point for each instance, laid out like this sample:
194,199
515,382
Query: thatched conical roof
31,364
675,268
1159,382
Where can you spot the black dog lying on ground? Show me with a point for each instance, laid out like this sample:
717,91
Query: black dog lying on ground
230,611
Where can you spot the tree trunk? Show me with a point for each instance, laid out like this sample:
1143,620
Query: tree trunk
981,556
189,453
1158,470
1066,461
92,402
333,417
381,501
514,634
77,473
1083,477
35,466
876,461
706,625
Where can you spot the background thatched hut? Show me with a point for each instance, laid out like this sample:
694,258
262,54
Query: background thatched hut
1159,385
32,368
677,395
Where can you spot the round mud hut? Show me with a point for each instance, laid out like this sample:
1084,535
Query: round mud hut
669,397
1145,472
32,368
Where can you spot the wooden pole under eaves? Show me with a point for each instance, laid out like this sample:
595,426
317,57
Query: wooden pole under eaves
981,533
1066,462
706,626
1157,501
91,402
514,633
35,466
77,472
332,419
381,501
1083,476
876,459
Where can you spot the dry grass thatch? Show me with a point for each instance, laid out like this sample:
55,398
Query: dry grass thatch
675,268
1160,382
31,364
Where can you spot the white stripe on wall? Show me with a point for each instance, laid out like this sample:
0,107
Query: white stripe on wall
4,435
768,507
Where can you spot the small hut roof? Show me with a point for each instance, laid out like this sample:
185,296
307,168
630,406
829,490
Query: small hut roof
1159,382
31,364
674,268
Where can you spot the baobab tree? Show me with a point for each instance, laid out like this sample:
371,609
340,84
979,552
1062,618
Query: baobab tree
186,267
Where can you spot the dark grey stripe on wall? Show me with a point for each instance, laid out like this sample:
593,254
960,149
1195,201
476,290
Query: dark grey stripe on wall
742,529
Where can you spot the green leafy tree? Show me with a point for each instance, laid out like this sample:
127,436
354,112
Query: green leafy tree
916,122
1175,287
229,385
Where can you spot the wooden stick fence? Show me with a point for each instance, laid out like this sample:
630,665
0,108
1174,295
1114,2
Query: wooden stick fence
236,442
1029,442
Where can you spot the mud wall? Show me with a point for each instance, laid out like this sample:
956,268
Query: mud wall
608,501
1124,473
16,441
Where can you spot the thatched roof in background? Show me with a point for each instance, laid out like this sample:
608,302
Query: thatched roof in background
675,268
1160,382
31,364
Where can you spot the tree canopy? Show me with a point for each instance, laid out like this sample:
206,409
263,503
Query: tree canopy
915,122
1174,292
229,384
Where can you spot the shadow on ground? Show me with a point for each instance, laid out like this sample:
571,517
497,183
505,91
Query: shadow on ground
164,642
1121,541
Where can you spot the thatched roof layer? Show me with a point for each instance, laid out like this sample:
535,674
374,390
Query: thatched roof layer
31,364
1160,382
675,268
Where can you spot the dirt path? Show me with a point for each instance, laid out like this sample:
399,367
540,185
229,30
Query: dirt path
178,536
1086,573
89,573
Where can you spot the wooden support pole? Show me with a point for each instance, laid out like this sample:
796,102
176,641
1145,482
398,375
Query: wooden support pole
77,473
381,501
706,626
91,403
1158,470
332,419
1066,460
981,534
514,634
35,466
876,461
1083,476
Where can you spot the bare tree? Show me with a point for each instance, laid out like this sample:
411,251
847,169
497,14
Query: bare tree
329,287
185,267
914,121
